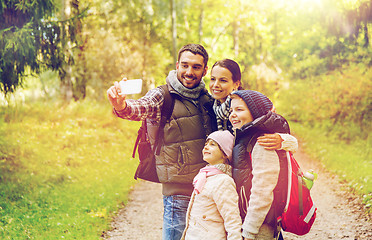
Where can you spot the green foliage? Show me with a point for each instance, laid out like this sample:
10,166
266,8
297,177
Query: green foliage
134,39
350,161
33,39
63,169
332,114
20,41
18,13
338,102
127,38
19,45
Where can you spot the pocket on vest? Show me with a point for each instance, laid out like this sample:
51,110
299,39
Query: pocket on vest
183,160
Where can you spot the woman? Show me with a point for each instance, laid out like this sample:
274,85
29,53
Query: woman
226,78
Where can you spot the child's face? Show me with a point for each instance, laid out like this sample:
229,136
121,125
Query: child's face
240,113
212,153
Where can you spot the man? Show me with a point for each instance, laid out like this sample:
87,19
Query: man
192,120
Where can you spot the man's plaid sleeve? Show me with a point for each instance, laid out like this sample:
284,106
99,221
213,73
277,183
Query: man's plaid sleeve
147,107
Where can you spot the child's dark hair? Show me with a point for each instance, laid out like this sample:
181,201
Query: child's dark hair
195,49
233,67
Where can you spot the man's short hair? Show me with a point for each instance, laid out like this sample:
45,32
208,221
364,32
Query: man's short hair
195,49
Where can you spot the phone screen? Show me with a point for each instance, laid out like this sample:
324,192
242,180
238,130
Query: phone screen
133,86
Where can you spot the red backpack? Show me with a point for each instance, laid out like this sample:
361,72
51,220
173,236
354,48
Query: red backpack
300,212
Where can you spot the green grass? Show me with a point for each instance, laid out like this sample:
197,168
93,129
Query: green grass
63,169
351,161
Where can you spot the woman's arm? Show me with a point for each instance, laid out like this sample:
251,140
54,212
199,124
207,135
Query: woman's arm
278,141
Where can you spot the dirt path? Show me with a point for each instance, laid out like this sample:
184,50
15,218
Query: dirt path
339,214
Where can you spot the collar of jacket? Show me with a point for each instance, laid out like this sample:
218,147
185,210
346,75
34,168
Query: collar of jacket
191,93
269,123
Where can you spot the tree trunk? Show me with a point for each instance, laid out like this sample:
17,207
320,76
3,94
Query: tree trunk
201,17
66,83
366,37
236,30
174,29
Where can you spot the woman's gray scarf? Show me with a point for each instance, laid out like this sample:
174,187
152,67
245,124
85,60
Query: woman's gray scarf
222,111
192,93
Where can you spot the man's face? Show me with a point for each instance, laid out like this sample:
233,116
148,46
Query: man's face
190,69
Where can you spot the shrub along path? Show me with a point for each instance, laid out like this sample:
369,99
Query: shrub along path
340,214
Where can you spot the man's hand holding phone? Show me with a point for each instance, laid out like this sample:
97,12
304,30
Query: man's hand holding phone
115,96
118,93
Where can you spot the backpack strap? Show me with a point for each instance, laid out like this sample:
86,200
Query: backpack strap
300,200
166,112
141,135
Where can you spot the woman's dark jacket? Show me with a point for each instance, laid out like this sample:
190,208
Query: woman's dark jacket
245,140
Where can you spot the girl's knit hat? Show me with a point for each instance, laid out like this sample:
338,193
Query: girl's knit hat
225,140
257,103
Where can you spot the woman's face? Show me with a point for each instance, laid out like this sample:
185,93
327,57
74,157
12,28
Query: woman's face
221,84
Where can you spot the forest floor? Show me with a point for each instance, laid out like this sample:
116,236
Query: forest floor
340,213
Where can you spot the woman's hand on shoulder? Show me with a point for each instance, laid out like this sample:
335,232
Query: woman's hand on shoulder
270,141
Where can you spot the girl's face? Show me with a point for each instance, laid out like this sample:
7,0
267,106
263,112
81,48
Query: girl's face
221,84
212,153
240,113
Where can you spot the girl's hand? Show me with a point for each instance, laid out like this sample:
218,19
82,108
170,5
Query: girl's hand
270,141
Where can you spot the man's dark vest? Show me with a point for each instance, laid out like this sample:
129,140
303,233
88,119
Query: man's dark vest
191,122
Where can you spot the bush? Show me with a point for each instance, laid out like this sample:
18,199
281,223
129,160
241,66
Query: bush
337,102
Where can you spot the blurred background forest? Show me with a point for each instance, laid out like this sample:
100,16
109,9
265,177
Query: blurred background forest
313,58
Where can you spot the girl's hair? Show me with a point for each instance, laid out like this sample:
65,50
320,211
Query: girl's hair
233,67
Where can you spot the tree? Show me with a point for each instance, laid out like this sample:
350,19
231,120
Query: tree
32,39
128,38
73,76
24,33
174,29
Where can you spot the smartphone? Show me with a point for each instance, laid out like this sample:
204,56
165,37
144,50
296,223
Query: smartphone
133,86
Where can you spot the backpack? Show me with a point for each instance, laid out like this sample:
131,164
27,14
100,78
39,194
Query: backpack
293,209
300,212
146,169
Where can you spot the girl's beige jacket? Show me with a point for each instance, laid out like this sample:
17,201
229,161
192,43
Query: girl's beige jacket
214,213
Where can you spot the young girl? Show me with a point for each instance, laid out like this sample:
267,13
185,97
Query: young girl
256,169
213,211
